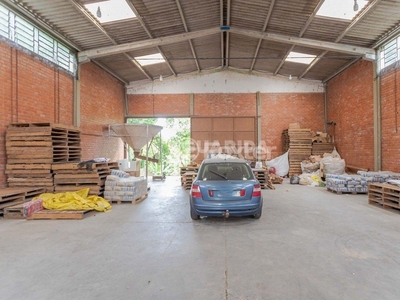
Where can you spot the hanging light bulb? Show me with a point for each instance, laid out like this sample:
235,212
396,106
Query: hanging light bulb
161,78
355,7
98,13
290,77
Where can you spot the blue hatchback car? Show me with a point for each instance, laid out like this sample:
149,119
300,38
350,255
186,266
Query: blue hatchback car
225,187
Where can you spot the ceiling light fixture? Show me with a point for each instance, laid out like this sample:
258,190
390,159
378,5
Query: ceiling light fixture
355,7
290,77
98,12
161,78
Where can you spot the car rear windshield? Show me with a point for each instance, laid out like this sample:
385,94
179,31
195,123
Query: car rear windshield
225,171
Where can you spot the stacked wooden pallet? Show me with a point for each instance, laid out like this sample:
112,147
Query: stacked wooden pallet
188,174
31,148
29,175
263,177
189,168
187,179
299,144
13,196
70,177
384,195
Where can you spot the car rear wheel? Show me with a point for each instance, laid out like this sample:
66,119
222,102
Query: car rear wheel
193,214
258,214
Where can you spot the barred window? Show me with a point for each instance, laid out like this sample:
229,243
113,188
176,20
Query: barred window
26,35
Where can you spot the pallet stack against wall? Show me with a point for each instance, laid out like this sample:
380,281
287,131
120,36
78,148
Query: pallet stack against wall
69,177
187,179
188,174
32,148
263,177
299,143
384,195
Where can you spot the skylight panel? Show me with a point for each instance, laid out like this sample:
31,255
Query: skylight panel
300,58
341,9
111,10
151,59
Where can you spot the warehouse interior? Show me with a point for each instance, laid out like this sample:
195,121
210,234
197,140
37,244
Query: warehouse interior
243,72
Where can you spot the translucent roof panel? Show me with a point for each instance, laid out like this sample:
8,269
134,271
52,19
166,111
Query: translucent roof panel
151,59
341,9
300,58
110,11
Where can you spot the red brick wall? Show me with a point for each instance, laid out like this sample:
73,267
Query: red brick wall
278,110
225,105
102,103
350,105
390,106
31,91
159,105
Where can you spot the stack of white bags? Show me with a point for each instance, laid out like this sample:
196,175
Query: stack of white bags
120,186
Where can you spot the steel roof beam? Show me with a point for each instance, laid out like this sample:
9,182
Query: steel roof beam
144,25
140,45
187,30
228,23
305,27
271,8
368,53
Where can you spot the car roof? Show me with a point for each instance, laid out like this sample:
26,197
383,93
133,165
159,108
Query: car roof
221,160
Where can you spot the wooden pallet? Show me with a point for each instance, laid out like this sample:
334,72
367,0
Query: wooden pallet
10,197
14,212
299,142
42,143
187,179
384,195
140,199
15,196
263,178
61,214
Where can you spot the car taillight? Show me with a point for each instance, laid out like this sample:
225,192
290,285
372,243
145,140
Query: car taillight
196,191
256,190
242,193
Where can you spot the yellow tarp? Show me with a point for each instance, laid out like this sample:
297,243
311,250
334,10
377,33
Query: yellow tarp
78,200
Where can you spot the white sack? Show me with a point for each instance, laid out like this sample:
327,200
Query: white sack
280,163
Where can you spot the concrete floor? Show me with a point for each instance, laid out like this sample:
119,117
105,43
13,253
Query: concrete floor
309,244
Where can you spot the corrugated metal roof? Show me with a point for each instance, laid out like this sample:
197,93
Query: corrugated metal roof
167,18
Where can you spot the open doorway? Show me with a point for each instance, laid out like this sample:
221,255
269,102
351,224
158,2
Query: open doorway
174,139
